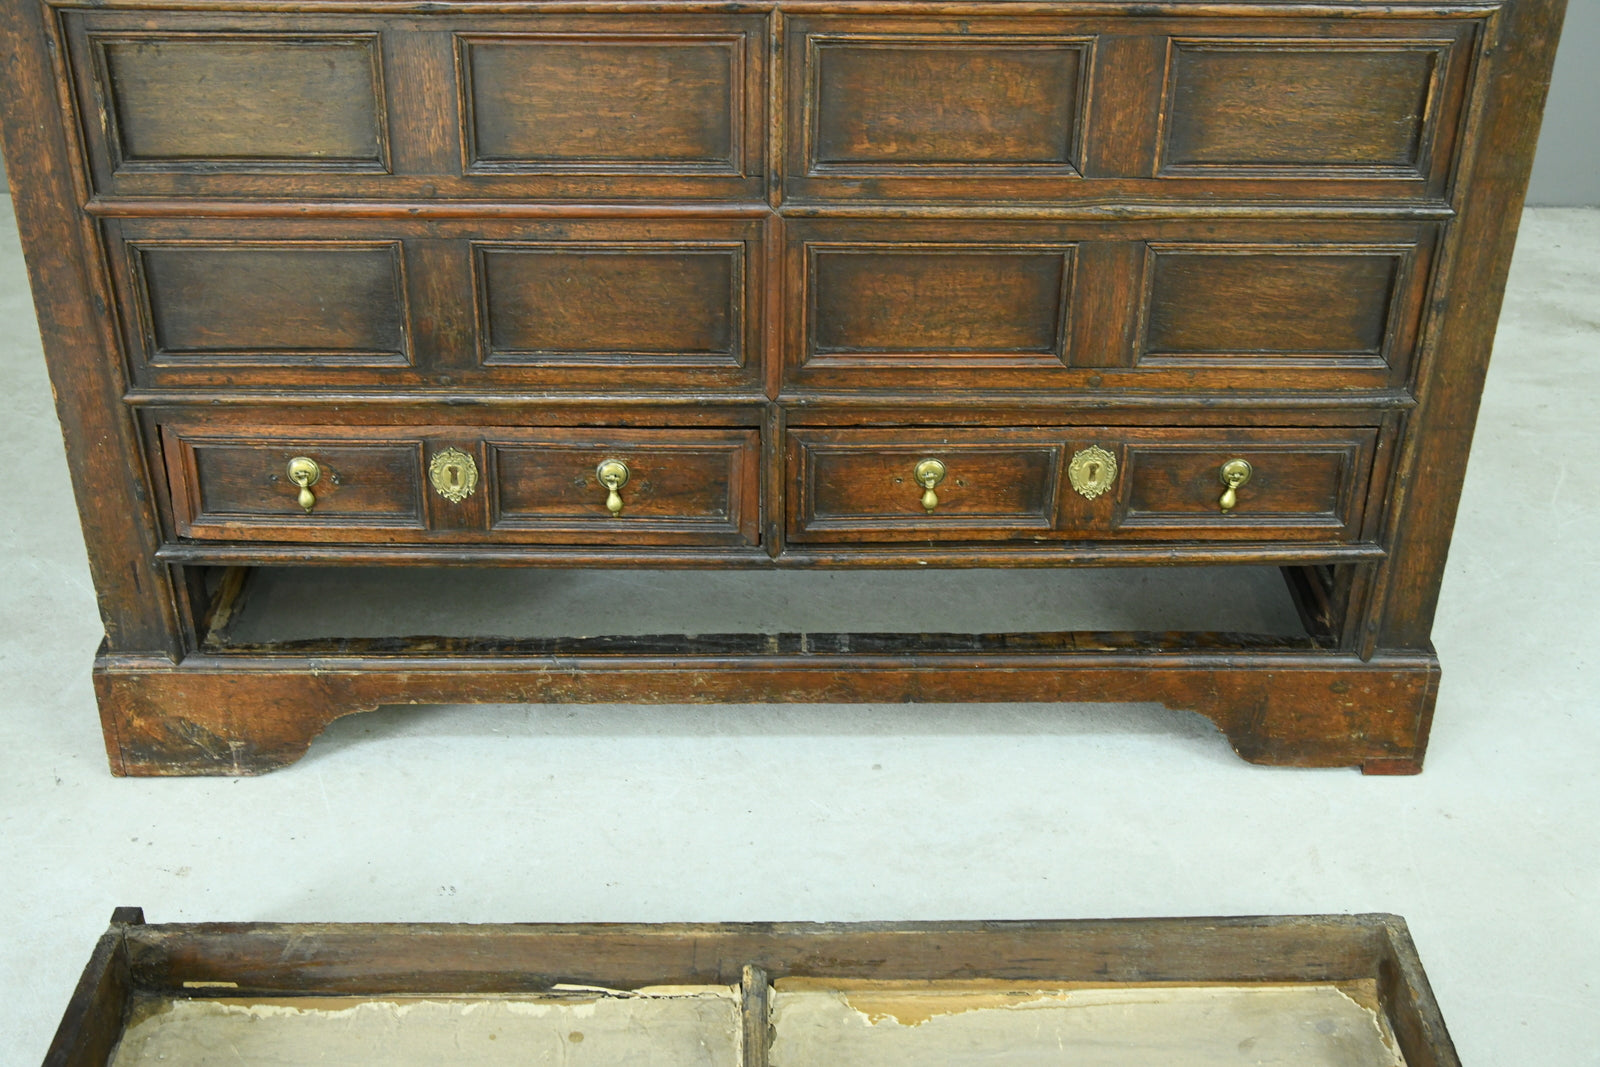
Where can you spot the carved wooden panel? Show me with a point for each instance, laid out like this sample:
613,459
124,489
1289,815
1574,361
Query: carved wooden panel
657,304
684,486
1281,106
605,102
282,302
968,103
1272,303
243,101
930,304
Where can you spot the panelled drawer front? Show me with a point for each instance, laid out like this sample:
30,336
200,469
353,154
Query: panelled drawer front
1166,483
378,485
531,106
682,486
604,305
1057,108
1235,306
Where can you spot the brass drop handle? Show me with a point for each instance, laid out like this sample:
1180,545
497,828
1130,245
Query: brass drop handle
304,472
929,473
613,474
1234,473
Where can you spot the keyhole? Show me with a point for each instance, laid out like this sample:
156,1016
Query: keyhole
1094,472
455,476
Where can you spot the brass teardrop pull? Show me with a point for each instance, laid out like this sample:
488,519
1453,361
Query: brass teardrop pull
929,473
1234,473
613,474
304,472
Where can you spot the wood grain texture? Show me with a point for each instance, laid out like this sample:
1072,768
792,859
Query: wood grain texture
231,715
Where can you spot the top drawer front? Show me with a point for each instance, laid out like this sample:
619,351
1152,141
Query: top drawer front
1051,109
532,106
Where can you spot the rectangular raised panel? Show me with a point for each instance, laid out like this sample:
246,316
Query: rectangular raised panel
683,486
272,303
306,101
938,304
851,484
1306,481
663,304
944,103
1292,106
605,101
1265,303
238,487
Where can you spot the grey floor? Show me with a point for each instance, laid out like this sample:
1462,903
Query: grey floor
877,812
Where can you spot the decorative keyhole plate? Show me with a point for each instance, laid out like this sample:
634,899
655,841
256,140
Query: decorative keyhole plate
454,474
1092,471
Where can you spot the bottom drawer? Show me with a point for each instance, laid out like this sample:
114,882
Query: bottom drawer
484,484
922,484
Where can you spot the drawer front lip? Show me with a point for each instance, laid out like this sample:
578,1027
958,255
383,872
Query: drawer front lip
1309,484
415,131
687,487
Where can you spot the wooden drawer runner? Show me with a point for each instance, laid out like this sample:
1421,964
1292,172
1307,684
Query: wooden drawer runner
481,485
1163,483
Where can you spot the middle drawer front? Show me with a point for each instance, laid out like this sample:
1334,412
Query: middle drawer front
1081,483
390,485
612,305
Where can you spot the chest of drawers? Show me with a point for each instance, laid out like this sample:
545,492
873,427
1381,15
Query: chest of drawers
791,283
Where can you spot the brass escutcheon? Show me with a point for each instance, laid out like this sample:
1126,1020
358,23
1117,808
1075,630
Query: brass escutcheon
613,474
929,473
304,472
1092,471
453,474
1234,473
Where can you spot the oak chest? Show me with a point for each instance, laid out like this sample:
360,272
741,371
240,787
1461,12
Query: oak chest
780,284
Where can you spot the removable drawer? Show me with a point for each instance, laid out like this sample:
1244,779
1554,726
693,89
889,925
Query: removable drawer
1097,307
465,485
596,304
1080,483
1061,108
445,105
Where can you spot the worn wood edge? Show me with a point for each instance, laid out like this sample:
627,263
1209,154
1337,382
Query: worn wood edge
238,715
92,1023
1413,1011
377,958
910,556
1219,8
1431,467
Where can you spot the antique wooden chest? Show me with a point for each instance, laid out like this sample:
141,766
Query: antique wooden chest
764,284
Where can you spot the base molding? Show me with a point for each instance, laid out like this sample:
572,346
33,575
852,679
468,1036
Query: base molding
229,714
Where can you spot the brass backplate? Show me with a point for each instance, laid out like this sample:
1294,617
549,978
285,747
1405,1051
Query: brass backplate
454,474
1092,471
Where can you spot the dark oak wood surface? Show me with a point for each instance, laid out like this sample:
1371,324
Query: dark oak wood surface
770,254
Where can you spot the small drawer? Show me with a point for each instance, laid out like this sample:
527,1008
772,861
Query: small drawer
599,486
492,485
1080,483
864,484
246,486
